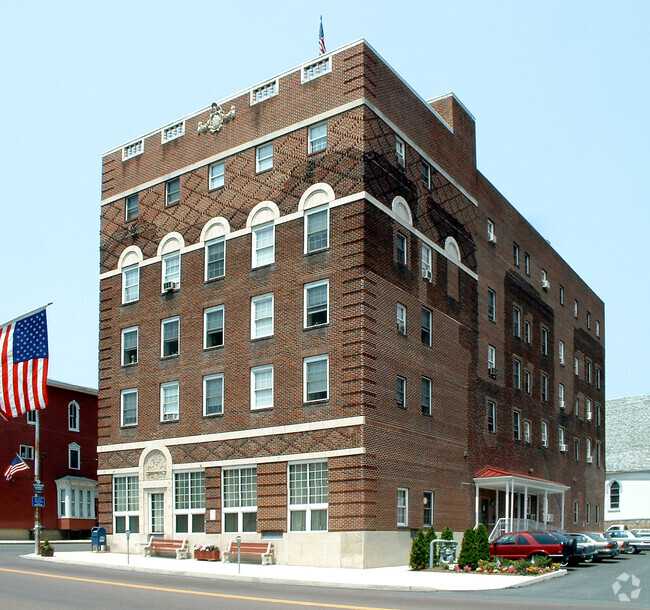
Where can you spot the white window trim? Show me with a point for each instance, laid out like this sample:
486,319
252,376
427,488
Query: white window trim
74,448
404,239
165,275
426,175
238,510
214,242
167,202
73,404
133,512
544,435
428,396
188,511
255,301
492,357
306,290
309,213
254,371
259,160
428,500
311,139
176,415
162,337
126,270
136,197
403,507
400,151
206,312
306,363
137,344
401,319
429,342
254,233
492,409
26,452
403,383
206,379
222,175
123,393
309,506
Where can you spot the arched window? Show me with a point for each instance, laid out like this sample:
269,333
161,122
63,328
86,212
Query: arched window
213,239
73,416
169,251
615,495
129,265
314,204
261,221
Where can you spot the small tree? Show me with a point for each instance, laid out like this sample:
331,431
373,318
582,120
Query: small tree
419,558
428,537
482,543
468,552
447,534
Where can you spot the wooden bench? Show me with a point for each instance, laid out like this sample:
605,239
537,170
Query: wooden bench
166,545
263,550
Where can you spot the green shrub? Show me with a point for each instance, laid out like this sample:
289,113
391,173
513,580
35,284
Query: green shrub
447,534
419,558
428,537
482,543
468,551
542,561
521,565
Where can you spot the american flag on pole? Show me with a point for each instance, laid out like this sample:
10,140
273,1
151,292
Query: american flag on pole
16,465
321,37
23,364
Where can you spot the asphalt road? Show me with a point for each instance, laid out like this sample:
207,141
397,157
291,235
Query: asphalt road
29,585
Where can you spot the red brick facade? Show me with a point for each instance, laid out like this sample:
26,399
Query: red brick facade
372,445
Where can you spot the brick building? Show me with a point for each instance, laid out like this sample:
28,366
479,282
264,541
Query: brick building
320,324
68,442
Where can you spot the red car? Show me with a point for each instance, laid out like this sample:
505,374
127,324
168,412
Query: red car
526,545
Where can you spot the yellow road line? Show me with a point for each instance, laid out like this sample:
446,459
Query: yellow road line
266,600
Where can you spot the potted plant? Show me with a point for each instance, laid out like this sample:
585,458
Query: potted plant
207,552
46,549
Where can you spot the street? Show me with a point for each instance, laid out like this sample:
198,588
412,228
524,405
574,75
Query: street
26,584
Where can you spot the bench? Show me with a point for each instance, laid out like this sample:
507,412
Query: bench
166,545
263,550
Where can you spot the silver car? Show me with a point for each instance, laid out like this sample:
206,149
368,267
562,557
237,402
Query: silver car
604,548
635,544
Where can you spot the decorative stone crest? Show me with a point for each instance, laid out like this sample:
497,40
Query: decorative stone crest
155,466
216,119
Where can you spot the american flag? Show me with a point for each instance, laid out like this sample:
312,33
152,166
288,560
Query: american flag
321,38
16,465
23,364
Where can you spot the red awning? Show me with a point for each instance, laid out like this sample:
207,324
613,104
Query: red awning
489,472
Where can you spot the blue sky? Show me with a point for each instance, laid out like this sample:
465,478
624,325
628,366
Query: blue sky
559,90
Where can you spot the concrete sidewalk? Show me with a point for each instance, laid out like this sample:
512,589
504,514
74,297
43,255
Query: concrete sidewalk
398,578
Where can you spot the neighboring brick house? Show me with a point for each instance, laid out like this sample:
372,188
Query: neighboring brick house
68,442
628,462
310,333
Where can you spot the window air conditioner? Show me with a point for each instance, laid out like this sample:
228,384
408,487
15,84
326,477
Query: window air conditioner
590,459
589,416
492,372
550,517
492,238
426,274
546,284
169,286
564,447
562,404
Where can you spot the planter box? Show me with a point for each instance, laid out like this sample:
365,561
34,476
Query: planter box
207,555
47,552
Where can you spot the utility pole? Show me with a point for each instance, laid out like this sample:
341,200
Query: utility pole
38,486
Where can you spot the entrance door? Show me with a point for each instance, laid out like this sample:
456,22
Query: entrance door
157,513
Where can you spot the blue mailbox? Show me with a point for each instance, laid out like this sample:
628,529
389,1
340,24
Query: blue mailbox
98,539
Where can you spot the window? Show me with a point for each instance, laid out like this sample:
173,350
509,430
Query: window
561,295
126,509
131,284
426,175
528,382
576,450
516,321
426,327
575,512
129,345
129,407
169,400
263,245
317,230
576,366
588,412
575,309
264,157
598,455
597,328
73,416
544,341
588,513
516,425
213,395
427,516
492,305
544,434
588,320
561,443
426,395
545,283
316,376
560,393
171,265
491,417
589,455
131,207
262,387
515,253
317,138
401,248
400,152
170,330
213,323
173,191
527,431
527,263
544,391
76,498
74,456
308,496
598,378
31,417
597,513
401,319
217,175
262,316
490,231
576,406
215,259
615,495
427,267
26,452
527,332
402,507
492,360
240,500
598,414
516,374
560,348
401,392
189,502
588,371
316,304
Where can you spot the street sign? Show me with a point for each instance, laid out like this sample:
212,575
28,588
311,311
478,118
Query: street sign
38,488
38,501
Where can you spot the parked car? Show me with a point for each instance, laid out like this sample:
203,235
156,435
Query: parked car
641,533
635,544
602,546
620,542
616,526
527,545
